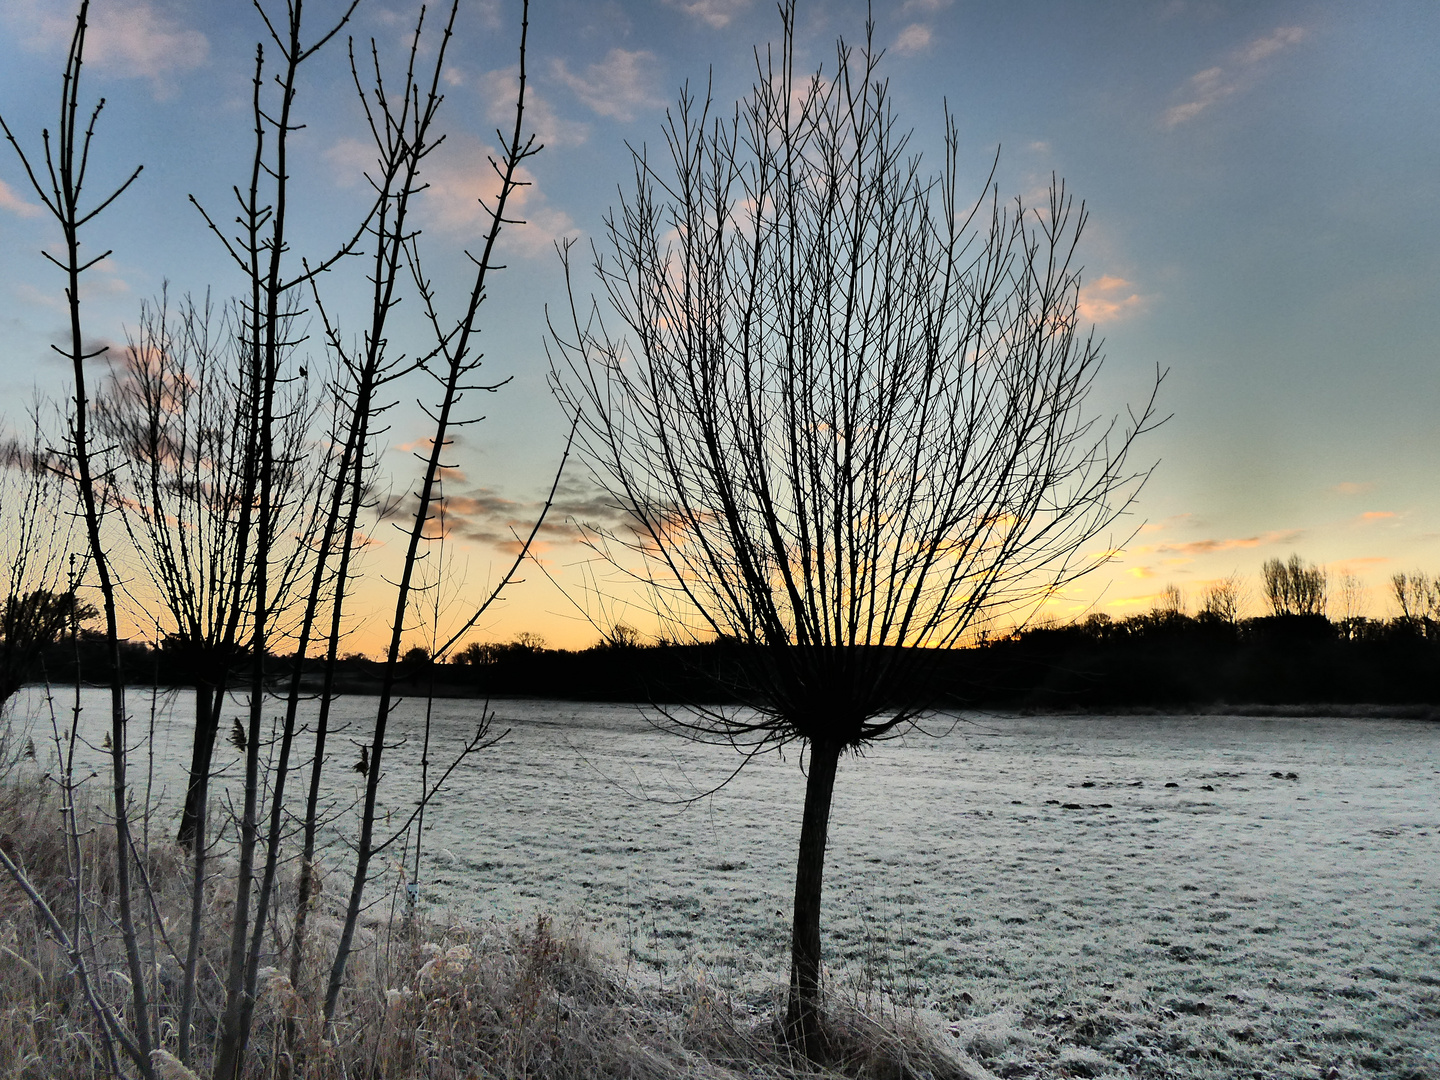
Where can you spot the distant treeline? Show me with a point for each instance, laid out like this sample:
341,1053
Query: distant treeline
1161,659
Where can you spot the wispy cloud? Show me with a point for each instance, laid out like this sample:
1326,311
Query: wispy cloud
913,39
1359,565
1350,488
550,128
1211,546
128,38
716,13
1109,299
1167,523
13,203
926,5
618,87
351,159
485,516
463,182
1238,72
1378,515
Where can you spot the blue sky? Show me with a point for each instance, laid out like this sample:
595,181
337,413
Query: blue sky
1263,180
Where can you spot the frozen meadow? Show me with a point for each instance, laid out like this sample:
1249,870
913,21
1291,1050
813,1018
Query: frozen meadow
1063,895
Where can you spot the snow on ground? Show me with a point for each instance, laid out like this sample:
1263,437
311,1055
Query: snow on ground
1081,896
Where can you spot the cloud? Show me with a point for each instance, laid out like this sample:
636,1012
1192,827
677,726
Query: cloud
127,38
925,5
34,296
1350,488
716,13
1166,523
1359,565
913,39
551,129
486,516
102,279
1208,547
12,202
1215,84
1378,515
352,159
617,87
1109,299
1271,44
462,182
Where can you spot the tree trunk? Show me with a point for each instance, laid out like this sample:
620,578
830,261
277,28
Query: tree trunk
802,1015
201,754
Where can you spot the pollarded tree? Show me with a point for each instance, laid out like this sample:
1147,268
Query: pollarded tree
846,420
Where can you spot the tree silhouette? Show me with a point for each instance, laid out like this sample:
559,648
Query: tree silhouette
1294,588
848,421
35,539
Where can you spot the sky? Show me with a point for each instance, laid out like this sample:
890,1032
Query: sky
1262,179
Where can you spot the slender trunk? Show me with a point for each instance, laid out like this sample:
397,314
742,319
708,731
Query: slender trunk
200,851
802,1015
360,438
202,750
292,704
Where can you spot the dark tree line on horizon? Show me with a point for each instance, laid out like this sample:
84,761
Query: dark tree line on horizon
1157,659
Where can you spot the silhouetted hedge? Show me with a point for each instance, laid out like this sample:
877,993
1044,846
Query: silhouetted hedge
1159,660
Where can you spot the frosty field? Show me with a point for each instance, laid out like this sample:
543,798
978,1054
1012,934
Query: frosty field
1083,896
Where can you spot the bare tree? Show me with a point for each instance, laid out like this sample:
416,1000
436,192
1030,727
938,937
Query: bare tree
1222,600
1294,587
176,410
1416,595
848,422
1353,599
1170,602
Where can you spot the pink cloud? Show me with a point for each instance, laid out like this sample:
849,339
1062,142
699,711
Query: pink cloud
1215,84
1109,299
462,182
1207,547
618,87
12,202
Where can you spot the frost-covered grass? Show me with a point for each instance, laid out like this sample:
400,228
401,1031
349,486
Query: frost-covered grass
1033,883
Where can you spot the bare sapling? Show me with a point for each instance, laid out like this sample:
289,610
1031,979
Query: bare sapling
60,184
400,125
456,363
267,340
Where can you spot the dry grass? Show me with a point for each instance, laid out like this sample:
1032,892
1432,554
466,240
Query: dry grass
423,1000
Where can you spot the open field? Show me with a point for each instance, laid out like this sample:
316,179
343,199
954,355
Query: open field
1031,881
